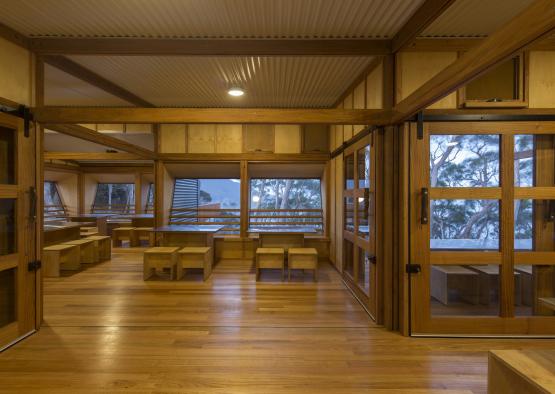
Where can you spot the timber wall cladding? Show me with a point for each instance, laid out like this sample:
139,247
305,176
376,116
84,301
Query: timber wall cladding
15,73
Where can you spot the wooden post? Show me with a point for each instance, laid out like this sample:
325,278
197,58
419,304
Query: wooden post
138,192
506,291
244,199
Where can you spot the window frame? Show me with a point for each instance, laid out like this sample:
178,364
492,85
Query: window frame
130,207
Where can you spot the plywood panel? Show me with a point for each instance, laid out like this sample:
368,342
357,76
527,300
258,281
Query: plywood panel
542,79
173,138
229,138
110,128
339,136
287,139
374,88
339,212
138,128
348,129
315,138
258,138
416,68
359,102
89,191
15,73
201,138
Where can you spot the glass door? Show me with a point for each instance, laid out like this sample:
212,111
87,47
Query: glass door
482,229
17,230
359,237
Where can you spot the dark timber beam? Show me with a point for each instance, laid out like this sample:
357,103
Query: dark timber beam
99,138
70,67
535,22
418,22
209,47
75,115
90,156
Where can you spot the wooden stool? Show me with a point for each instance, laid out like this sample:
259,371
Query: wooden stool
104,246
121,233
270,258
88,234
143,234
303,258
89,251
159,258
60,257
194,257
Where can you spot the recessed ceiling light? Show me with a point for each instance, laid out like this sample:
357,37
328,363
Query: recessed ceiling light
236,92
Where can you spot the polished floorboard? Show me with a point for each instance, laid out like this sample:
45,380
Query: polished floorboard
108,331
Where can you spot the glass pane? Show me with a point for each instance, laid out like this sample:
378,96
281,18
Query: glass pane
464,224
363,166
348,256
114,198
464,160
7,296
364,215
524,224
534,290
464,290
524,160
7,156
349,172
498,84
350,214
365,270
7,226
53,207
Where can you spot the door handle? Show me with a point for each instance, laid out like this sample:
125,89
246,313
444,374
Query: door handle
424,207
32,204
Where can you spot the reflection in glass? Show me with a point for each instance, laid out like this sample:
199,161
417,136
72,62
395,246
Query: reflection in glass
348,257
363,167
534,290
364,215
7,156
7,226
7,297
349,172
464,160
365,270
464,290
464,224
524,224
349,214
524,160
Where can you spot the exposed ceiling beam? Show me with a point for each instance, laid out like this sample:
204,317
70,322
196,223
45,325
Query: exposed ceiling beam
74,115
70,67
14,37
535,22
465,44
90,156
200,157
99,138
428,12
210,47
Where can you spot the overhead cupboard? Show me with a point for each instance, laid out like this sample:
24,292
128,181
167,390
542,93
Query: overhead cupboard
482,227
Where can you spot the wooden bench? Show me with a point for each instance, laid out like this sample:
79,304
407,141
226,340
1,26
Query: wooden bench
270,258
142,234
194,257
489,284
521,371
159,258
103,245
122,233
526,283
88,250
60,257
303,258
86,234
447,278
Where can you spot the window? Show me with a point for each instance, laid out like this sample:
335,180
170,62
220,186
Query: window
207,201
280,203
53,207
114,198
149,208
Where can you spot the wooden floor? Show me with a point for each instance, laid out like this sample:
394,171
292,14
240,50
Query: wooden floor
108,331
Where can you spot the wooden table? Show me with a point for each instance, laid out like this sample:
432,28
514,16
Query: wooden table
281,237
139,219
61,232
187,235
521,371
97,220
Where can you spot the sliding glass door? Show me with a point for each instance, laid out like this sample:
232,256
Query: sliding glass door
482,228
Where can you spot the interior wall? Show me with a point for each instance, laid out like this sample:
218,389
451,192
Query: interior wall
16,70
541,76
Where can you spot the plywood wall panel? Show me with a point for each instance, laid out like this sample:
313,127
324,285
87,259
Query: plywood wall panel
15,73
339,212
229,138
138,128
258,138
287,139
348,129
359,102
201,138
173,138
374,88
416,68
542,79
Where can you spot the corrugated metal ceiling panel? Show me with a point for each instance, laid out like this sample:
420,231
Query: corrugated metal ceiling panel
475,18
208,18
204,81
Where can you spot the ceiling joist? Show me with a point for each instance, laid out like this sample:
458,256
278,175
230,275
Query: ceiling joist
86,134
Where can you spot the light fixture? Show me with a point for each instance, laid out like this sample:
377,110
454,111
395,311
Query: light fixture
236,92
